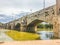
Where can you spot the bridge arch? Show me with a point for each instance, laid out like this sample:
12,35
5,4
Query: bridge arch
32,27
17,26
9,27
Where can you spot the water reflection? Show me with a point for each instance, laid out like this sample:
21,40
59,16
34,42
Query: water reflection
45,35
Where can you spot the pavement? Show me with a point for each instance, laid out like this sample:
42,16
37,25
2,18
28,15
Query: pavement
3,36
34,42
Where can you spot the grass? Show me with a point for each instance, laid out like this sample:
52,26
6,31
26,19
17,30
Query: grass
18,36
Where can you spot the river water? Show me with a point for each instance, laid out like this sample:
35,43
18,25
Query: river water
45,35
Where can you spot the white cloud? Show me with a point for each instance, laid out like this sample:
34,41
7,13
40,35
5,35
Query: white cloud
9,11
2,18
16,6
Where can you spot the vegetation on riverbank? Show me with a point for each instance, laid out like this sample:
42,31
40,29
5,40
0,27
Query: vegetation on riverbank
22,35
44,29
45,26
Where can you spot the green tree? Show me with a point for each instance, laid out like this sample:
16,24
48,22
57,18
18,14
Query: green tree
40,26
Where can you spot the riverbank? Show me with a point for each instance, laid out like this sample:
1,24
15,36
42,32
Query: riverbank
44,29
18,36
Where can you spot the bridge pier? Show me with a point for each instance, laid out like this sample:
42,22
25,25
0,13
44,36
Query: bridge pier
56,27
31,29
7,26
23,28
12,27
55,30
35,28
59,31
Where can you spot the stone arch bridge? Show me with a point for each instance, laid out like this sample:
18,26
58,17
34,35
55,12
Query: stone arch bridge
30,21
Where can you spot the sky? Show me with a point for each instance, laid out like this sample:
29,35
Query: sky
13,7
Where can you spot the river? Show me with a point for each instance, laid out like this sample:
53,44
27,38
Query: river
45,35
